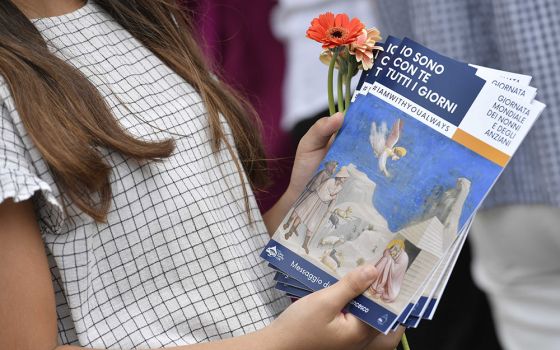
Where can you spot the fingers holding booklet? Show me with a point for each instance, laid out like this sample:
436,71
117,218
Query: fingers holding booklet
422,143
339,330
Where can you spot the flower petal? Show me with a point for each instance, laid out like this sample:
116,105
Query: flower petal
335,30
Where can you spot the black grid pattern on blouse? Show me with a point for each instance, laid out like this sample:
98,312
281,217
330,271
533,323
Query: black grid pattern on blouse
177,260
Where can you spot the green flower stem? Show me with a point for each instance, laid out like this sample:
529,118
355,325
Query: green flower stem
330,92
340,94
404,342
349,75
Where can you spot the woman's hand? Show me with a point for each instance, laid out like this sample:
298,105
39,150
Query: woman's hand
316,321
311,151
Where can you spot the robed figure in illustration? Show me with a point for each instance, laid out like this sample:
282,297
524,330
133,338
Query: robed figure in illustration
313,210
312,186
384,144
392,268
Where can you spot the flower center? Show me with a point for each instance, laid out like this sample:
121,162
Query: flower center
337,32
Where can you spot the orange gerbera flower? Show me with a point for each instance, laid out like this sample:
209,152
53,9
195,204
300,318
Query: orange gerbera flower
333,31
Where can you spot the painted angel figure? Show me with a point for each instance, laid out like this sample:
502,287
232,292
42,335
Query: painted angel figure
384,143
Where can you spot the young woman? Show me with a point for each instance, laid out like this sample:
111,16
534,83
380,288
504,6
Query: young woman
127,217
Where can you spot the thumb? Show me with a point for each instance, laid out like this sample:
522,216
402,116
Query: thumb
351,285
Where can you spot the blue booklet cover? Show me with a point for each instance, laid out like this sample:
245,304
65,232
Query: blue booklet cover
409,167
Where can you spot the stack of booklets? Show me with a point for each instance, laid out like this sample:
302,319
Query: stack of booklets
422,144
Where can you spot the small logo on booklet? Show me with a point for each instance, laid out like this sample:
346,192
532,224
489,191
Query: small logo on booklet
275,253
381,320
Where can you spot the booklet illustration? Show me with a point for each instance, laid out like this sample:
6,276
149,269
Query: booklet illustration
413,161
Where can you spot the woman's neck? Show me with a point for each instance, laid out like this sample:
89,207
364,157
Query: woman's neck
50,8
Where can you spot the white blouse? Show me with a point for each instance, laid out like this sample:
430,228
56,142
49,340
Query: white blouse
177,261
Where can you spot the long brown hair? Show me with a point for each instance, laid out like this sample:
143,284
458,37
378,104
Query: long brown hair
67,119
